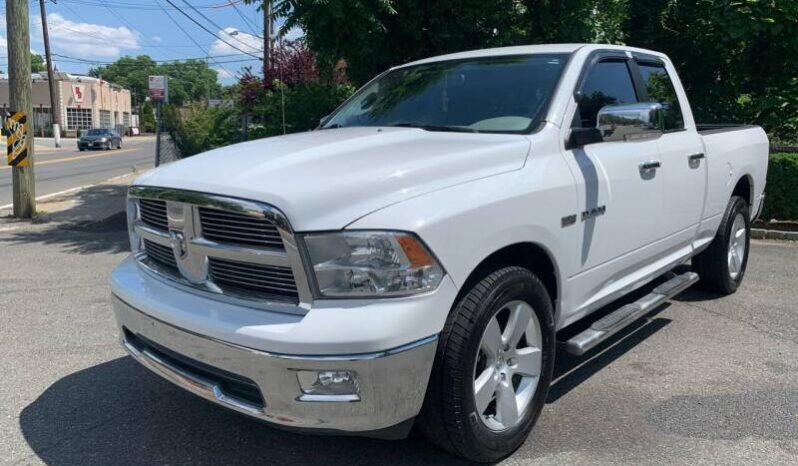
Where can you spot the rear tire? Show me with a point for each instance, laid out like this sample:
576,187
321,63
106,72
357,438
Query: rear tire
722,265
456,416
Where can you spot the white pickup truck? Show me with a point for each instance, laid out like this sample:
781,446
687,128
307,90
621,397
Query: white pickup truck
413,259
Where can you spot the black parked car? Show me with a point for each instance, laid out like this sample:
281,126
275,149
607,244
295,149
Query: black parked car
100,138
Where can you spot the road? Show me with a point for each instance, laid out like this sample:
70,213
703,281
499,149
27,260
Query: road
61,170
706,381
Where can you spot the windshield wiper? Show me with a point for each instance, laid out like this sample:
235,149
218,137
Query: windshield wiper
457,129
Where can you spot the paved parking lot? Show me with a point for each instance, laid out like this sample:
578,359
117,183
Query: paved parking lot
704,381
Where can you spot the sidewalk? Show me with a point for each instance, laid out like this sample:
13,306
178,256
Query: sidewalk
100,203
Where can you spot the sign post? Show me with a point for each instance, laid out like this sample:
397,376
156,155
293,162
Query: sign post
159,93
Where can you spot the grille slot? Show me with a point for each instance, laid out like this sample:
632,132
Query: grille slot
231,384
267,280
159,254
153,213
236,228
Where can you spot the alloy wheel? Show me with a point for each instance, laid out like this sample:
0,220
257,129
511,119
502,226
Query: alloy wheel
508,366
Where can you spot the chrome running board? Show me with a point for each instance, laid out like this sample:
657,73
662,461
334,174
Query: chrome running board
610,324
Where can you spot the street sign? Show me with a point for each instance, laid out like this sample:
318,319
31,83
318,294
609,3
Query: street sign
159,88
15,129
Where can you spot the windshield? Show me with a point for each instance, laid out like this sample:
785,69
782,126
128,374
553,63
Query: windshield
495,94
98,132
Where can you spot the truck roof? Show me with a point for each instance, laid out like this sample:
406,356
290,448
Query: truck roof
526,49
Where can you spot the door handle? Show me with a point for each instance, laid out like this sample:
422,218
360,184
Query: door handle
696,157
650,166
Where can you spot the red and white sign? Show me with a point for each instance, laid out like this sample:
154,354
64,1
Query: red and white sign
78,92
158,89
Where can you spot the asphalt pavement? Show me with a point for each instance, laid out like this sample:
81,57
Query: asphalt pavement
706,380
68,168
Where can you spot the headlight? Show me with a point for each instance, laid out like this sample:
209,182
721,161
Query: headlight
103,139
372,264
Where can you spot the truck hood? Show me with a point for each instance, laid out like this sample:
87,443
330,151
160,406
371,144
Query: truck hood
325,180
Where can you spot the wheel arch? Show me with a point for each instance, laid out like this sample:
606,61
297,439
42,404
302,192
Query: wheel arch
745,189
532,256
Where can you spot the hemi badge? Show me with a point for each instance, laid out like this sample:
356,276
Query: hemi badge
569,220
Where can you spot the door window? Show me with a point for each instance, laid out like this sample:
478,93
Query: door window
660,89
608,83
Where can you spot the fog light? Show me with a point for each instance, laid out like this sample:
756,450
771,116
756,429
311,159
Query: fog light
328,386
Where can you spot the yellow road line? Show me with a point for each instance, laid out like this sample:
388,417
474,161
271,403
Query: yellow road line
81,157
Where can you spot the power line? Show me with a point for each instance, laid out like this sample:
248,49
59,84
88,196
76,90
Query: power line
219,27
146,7
191,38
171,60
252,27
209,31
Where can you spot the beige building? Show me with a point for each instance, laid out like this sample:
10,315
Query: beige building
83,102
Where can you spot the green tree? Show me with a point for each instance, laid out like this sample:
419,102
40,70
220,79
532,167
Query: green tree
37,64
372,35
189,81
733,57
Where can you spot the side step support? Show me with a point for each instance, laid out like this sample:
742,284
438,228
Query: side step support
610,324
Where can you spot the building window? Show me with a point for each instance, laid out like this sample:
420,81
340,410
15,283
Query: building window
78,118
126,119
42,122
105,119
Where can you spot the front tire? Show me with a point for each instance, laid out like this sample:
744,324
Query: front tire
722,265
492,368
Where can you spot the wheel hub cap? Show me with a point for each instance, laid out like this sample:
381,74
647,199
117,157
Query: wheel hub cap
508,365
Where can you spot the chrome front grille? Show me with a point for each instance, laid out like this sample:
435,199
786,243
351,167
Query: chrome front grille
227,248
239,228
253,277
153,213
161,255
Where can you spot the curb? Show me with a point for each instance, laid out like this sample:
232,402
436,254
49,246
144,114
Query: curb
759,233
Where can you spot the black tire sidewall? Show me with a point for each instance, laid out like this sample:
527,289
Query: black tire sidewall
517,285
737,206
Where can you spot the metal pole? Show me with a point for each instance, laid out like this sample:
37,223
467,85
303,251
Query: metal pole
19,86
268,31
55,113
158,133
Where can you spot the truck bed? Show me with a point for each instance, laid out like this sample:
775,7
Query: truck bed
721,128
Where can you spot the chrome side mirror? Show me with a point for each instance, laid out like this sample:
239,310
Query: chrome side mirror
631,122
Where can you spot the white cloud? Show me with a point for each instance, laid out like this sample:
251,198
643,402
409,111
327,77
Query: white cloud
240,39
157,38
224,74
90,40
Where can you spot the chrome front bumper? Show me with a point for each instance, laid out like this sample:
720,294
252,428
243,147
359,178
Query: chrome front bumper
392,383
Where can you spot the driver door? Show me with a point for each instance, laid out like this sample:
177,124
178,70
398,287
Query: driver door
620,191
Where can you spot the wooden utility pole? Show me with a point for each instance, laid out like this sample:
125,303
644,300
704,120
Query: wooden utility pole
19,87
268,31
54,107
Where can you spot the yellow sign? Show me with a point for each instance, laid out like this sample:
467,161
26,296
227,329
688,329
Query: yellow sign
15,130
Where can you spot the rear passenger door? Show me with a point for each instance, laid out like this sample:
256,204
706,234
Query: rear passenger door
684,166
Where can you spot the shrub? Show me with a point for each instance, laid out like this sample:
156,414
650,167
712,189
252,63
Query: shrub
198,129
304,105
781,201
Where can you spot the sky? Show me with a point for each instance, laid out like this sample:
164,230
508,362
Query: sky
85,33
